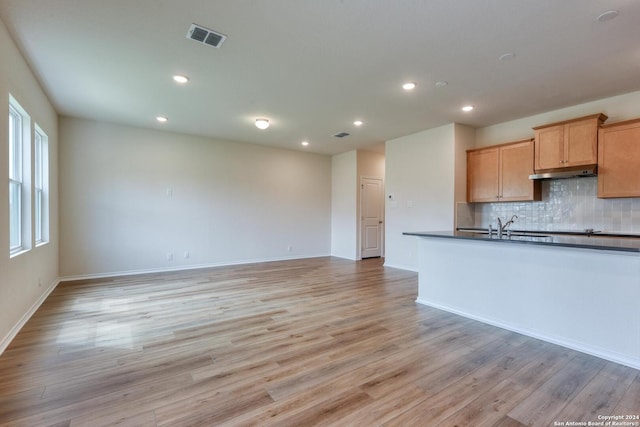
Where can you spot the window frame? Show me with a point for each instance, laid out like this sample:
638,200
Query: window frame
41,186
19,141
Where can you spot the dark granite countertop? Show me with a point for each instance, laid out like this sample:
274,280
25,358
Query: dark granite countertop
587,232
597,241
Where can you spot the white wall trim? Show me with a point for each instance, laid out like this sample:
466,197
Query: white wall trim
593,351
4,343
401,267
184,267
346,257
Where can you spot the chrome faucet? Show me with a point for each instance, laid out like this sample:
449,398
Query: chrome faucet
503,227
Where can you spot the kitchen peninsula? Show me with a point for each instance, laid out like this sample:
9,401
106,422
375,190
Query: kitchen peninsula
582,292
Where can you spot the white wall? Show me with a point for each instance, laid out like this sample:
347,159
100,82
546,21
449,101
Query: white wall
618,108
130,196
370,164
465,139
27,278
344,205
420,175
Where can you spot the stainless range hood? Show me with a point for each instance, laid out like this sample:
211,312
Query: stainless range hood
582,172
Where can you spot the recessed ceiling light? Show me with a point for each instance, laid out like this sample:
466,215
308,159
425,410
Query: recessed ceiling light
409,86
358,123
607,16
468,108
304,143
262,123
179,78
507,56
162,119
441,83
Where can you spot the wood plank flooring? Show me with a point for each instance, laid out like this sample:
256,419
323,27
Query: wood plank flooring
321,341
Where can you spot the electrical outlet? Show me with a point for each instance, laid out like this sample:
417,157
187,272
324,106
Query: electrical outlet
186,255
290,248
169,256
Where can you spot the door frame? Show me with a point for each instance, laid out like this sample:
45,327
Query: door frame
382,214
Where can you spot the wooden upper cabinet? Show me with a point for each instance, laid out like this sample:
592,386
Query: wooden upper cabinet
568,144
516,164
501,173
619,159
482,175
549,148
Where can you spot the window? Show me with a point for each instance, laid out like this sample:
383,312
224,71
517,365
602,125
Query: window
15,179
19,177
41,186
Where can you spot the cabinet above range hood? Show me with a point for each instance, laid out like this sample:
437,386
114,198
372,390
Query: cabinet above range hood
579,172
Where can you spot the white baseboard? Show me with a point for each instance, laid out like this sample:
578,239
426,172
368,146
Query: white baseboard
183,268
401,267
593,351
4,343
345,257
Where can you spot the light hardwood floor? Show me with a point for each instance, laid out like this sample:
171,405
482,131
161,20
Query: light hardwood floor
322,341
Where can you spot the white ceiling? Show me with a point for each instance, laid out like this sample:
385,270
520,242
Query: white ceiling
314,66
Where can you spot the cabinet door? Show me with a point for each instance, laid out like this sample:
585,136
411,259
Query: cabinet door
482,175
516,164
549,148
619,160
581,143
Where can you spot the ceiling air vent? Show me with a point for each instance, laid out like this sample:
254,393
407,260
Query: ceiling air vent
341,134
206,36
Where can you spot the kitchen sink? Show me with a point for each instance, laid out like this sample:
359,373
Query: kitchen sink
515,235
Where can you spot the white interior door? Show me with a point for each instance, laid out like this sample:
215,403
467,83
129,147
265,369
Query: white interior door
371,216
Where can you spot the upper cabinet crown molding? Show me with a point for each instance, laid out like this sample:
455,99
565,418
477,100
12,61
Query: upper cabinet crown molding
570,143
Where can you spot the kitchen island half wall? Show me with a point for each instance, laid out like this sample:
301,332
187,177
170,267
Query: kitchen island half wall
584,298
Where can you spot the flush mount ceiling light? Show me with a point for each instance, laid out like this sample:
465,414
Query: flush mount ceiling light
441,83
358,123
468,108
262,124
304,143
179,78
607,16
162,119
409,86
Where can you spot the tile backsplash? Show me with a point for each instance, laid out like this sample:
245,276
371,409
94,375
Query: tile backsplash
567,204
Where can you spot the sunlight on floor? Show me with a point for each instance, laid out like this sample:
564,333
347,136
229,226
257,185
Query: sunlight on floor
100,334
